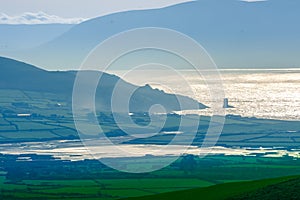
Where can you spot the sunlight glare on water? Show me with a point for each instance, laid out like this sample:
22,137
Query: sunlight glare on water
272,94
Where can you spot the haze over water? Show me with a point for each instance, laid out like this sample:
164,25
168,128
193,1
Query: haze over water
272,93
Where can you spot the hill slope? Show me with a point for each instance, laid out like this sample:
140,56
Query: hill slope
238,190
21,76
22,37
284,190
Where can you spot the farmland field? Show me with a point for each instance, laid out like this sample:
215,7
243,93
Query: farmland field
43,158
46,177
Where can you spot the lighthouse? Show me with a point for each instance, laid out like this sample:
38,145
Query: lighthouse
226,103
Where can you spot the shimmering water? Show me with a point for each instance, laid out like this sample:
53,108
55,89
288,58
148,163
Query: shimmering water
74,150
273,93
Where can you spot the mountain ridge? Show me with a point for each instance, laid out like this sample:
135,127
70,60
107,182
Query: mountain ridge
25,77
229,30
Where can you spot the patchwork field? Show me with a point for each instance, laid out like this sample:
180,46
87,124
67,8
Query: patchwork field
43,177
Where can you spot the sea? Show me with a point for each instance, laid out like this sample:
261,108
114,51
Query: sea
261,93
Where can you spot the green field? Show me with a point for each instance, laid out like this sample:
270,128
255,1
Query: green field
100,188
53,179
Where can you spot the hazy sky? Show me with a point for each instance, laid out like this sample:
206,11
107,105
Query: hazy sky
79,8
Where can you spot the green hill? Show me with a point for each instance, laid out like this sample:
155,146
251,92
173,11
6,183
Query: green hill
21,76
284,190
276,188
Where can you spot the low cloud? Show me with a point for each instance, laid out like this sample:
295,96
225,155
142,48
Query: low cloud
37,18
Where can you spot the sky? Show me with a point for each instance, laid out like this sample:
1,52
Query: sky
70,11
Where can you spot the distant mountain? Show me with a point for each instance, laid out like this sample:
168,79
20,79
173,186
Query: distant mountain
24,37
236,33
21,76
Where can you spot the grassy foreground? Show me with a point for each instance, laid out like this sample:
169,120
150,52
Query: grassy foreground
259,189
